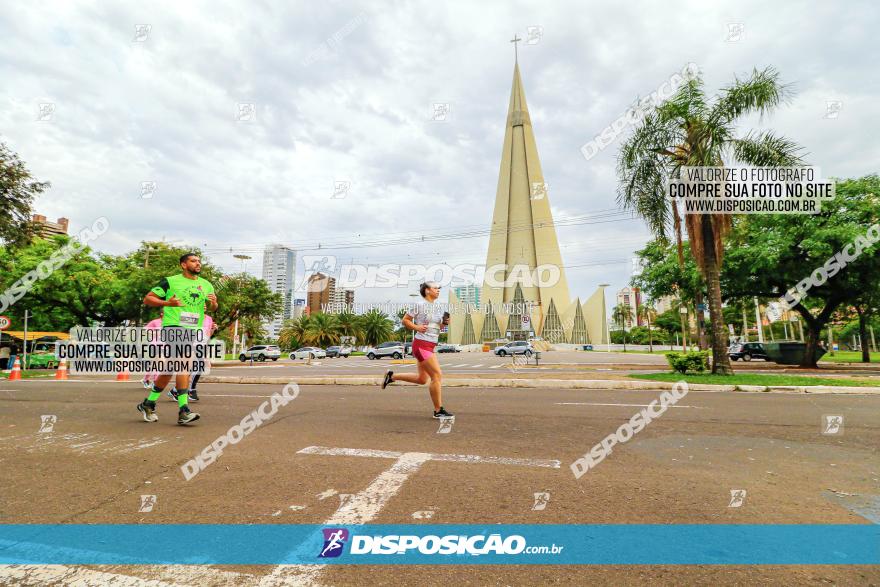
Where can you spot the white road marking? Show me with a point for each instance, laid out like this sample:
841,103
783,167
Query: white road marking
477,365
496,366
627,405
363,507
325,494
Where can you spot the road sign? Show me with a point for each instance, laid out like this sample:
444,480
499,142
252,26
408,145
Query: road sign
526,322
4,322
774,311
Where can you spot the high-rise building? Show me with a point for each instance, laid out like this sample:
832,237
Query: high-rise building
46,228
632,297
279,266
319,290
299,308
468,294
530,296
341,299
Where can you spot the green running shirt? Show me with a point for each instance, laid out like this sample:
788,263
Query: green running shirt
193,293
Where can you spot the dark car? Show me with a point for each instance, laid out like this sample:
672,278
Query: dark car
448,348
747,351
338,351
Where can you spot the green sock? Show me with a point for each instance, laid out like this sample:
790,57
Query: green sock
182,398
155,393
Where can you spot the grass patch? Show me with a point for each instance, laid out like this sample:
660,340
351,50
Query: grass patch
33,374
848,357
757,379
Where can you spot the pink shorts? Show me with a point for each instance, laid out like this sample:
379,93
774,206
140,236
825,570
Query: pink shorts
423,350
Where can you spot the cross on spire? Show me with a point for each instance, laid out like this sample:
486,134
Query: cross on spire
515,40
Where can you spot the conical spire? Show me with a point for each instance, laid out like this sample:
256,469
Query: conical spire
523,234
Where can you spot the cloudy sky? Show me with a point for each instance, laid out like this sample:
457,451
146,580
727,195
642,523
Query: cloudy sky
162,92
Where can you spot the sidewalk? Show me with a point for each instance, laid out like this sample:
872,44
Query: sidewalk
505,380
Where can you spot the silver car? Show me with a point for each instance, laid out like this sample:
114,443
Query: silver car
308,352
518,347
261,352
395,350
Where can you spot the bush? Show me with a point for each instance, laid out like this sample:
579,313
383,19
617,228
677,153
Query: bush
695,361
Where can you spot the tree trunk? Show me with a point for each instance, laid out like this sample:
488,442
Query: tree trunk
863,334
814,331
720,358
650,336
701,321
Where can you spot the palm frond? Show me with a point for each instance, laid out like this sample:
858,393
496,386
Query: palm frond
766,150
761,93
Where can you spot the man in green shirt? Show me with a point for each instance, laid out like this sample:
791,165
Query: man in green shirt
183,299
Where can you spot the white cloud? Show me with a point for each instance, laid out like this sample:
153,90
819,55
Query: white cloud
164,110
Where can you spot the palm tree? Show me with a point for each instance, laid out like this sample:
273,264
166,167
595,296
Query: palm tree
647,313
622,314
689,130
350,325
293,332
323,330
376,326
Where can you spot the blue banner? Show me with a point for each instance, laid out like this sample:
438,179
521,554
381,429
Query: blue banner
270,544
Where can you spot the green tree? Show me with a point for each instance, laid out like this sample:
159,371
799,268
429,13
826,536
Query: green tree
771,254
621,314
77,292
350,325
18,189
377,327
323,330
293,333
647,313
691,130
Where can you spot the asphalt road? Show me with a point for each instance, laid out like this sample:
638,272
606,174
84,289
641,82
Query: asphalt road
100,457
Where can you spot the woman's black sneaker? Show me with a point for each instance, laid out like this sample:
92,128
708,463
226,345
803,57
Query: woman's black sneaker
442,413
388,375
193,396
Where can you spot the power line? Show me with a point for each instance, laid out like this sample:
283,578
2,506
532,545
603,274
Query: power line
603,217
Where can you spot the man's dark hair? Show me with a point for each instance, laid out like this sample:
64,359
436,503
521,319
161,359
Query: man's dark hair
183,258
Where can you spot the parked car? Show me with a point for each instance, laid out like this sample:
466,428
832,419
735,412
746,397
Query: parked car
308,352
747,351
261,352
448,348
395,350
519,347
338,351
42,356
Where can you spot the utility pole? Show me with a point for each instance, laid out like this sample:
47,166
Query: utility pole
24,363
758,321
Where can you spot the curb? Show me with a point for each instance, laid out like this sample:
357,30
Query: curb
550,383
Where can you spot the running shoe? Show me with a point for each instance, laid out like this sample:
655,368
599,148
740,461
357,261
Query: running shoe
387,380
148,409
172,393
193,396
442,413
184,416
147,384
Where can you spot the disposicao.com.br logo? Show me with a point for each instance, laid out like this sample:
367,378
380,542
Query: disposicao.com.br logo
394,544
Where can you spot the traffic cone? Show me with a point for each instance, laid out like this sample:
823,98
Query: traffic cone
15,375
123,376
61,371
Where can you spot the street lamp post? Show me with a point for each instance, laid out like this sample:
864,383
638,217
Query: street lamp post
244,260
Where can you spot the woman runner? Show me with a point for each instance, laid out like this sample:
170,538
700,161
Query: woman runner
425,319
